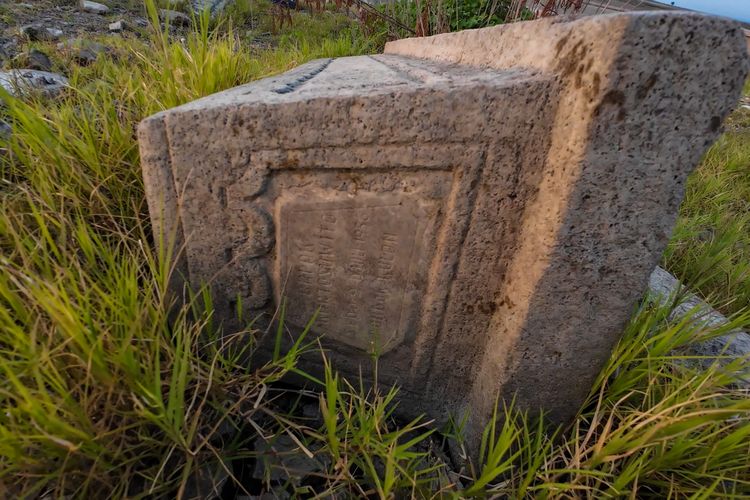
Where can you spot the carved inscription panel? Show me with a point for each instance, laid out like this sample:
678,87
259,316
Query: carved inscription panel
357,259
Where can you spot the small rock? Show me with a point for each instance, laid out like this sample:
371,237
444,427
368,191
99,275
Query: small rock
722,349
20,81
33,32
54,33
37,33
87,56
455,478
5,131
38,60
117,26
664,288
174,18
282,459
311,411
140,22
84,51
207,481
8,49
25,5
94,7
213,6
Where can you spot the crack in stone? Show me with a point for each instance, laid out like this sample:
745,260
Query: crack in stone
295,84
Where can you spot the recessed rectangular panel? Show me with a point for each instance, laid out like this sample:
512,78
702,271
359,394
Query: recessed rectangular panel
353,257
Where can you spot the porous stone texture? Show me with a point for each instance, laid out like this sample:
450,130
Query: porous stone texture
481,210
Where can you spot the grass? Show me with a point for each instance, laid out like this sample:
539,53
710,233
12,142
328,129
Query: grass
710,250
105,394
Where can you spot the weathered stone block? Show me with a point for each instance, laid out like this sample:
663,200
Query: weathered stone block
481,209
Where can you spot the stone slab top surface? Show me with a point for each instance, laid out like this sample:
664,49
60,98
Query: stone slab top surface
354,76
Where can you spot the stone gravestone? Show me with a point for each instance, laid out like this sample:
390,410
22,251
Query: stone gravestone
479,210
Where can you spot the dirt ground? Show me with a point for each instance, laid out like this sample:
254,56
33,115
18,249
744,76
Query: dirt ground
63,15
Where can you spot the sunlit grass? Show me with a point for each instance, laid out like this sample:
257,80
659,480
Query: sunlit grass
710,250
